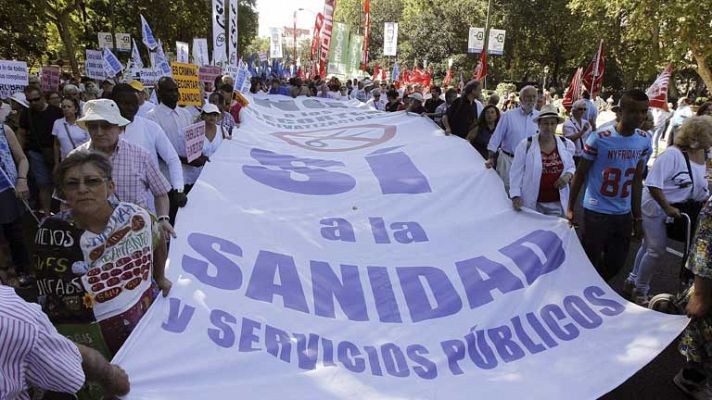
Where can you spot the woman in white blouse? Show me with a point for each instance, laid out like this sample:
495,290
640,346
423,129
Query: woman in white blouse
678,175
576,128
67,134
542,168
214,135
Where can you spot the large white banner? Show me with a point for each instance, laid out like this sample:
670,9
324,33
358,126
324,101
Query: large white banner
390,38
275,43
336,252
476,40
219,42
200,51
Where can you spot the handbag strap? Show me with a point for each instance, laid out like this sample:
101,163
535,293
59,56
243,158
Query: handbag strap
689,171
69,135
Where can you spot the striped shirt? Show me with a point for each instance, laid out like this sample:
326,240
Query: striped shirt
134,173
32,353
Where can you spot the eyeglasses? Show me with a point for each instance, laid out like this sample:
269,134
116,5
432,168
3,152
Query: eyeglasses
91,182
34,99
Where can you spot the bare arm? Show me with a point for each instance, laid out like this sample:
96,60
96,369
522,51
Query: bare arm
579,180
111,377
636,199
21,189
446,124
160,255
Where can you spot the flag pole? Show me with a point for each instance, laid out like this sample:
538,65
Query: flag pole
486,44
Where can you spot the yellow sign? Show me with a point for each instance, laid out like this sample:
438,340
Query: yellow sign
188,81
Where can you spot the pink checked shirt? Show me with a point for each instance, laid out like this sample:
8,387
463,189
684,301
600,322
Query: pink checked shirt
135,173
32,353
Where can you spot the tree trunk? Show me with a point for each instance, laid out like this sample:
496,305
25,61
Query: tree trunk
63,24
703,69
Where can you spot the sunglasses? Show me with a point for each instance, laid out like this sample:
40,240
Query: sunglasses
34,99
90,183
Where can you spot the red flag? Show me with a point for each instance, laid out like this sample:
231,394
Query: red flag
406,75
329,6
301,74
315,39
657,92
593,76
366,33
574,91
448,78
481,71
376,72
384,72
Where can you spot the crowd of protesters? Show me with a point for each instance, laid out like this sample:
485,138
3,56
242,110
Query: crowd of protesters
101,162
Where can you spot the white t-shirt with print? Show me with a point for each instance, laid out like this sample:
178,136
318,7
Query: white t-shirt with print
670,173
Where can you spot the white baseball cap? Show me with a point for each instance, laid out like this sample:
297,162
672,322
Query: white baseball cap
416,96
211,109
102,110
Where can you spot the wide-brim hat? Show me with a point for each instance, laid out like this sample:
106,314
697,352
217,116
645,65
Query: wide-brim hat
548,111
102,110
20,99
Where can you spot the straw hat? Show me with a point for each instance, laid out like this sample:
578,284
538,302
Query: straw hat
102,110
548,111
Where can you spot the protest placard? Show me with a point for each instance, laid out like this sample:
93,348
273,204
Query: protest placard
50,78
207,74
188,81
94,66
194,137
13,77
150,76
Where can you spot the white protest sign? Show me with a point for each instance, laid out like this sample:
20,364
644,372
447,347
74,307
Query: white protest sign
325,253
496,41
112,65
390,38
194,138
147,35
275,43
13,77
476,40
200,52
150,76
123,41
94,65
105,40
182,52
219,41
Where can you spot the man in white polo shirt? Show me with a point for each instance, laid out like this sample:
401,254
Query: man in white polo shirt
514,126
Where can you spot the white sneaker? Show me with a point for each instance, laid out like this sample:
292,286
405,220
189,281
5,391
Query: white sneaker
696,390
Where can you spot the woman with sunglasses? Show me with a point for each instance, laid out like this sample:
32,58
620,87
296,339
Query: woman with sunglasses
101,262
68,135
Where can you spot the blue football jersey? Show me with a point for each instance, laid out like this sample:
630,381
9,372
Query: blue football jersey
613,157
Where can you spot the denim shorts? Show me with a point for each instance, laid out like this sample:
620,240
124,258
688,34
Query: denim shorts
40,171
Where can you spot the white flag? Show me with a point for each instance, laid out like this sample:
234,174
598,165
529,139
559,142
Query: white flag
218,32
112,65
233,32
390,38
148,39
135,56
200,51
275,43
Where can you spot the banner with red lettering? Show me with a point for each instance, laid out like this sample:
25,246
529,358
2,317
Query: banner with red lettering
366,32
328,25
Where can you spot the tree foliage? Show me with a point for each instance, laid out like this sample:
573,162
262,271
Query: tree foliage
49,29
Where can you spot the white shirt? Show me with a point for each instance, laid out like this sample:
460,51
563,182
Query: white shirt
173,121
78,135
478,108
670,173
379,105
525,173
358,94
149,135
513,127
572,127
144,108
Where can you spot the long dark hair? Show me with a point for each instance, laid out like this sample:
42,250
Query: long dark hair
481,122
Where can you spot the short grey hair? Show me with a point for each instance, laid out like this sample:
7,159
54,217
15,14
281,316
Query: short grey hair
579,102
80,157
525,88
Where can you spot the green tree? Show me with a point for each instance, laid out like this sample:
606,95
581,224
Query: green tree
22,33
654,33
